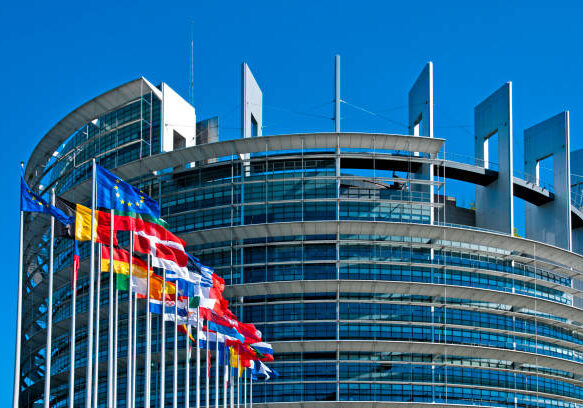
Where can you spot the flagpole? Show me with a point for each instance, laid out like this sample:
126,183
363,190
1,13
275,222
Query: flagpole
245,387
130,332
198,320
251,391
187,362
116,340
208,367
231,377
16,385
110,311
148,342
72,340
134,351
163,345
96,368
238,375
49,349
175,377
217,371
89,367
226,377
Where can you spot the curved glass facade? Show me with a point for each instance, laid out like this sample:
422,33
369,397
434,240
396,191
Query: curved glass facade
304,240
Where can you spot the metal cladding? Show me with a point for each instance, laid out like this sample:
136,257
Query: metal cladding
374,289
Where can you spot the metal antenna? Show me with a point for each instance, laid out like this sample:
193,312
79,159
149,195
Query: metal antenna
191,72
337,95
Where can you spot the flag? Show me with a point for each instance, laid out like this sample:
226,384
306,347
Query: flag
248,330
80,223
185,329
156,284
32,202
226,330
211,291
116,194
263,349
167,254
102,225
70,210
181,310
121,267
189,283
261,370
76,265
236,362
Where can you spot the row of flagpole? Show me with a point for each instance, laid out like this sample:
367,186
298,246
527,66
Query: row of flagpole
93,318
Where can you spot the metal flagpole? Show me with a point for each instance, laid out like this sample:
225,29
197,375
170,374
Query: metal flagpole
251,391
245,387
72,342
208,367
217,370
130,332
88,384
187,361
238,395
134,351
110,311
96,368
226,379
49,349
175,377
116,339
163,344
148,342
16,385
198,320
231,377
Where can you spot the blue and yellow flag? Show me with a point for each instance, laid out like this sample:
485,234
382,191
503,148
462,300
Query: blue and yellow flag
114,193
32,202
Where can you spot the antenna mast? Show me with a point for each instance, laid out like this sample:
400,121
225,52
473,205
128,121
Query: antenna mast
191,71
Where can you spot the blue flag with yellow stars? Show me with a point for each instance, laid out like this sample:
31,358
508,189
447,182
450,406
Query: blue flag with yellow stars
114,193
32,202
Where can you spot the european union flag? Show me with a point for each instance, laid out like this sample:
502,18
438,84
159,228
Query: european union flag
114,193
32,202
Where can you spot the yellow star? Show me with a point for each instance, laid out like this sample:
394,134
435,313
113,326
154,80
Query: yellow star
115,187
117,180
117,194
129,204
122,201
137,204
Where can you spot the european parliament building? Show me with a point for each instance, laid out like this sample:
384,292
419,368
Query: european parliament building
375,288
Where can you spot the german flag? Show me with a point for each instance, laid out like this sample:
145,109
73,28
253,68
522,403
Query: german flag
121,267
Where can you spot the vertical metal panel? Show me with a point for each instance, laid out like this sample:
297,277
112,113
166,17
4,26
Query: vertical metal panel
421,122
577,197
251,102
494,202
551,222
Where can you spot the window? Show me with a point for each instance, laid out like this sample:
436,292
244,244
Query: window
254,127
179,141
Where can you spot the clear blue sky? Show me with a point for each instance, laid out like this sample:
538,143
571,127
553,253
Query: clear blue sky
57,55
